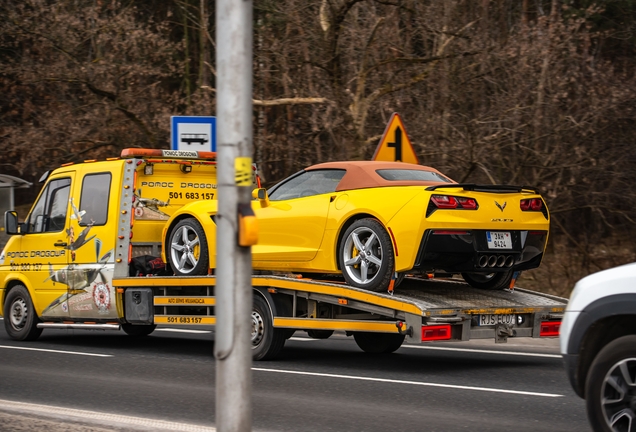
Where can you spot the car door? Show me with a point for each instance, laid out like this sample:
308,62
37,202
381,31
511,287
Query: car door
291,227
44,246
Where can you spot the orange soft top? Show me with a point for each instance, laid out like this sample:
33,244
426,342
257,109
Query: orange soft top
363,174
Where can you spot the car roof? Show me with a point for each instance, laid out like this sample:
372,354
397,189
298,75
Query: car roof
362,174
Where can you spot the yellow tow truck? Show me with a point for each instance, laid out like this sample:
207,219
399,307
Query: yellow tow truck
88,256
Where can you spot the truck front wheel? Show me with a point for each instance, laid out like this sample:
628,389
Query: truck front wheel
20,319
610,388
378,343
267,341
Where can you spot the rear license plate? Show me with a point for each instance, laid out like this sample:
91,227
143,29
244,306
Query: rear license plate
490,319
499,240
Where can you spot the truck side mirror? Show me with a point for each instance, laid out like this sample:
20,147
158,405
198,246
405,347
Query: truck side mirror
261,195
11,224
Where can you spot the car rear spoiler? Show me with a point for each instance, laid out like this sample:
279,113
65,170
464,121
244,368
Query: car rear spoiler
485,188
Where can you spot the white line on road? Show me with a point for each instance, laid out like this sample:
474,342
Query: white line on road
65,414
471,350
417,383
182,330
56,351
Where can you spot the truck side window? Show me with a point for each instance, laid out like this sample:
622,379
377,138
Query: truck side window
49,213
94,198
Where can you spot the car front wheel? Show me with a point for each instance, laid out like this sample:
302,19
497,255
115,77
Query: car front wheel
366,255
610,388
188,249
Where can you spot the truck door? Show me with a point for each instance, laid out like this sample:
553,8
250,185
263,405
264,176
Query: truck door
91,243
44,247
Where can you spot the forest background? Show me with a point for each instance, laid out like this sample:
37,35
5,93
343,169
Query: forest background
527,92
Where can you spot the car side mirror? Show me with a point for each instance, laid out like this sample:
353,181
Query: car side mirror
261,195
11,225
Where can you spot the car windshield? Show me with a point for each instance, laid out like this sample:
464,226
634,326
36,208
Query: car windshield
411,175
307,183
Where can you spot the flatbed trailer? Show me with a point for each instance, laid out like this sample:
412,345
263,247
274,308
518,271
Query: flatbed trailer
419,310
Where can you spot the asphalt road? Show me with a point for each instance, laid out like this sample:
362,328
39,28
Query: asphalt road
105,381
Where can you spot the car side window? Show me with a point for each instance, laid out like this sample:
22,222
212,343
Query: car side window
49,213
308,183
94,199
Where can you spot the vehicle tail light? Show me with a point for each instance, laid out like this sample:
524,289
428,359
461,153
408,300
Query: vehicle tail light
550,328
444,201
435,333
533,204
451,202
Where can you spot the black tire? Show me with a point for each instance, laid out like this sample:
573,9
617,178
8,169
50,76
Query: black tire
613,369
138,330
319,334
267,341
20,319
378,343
374,271
187,249
489,281
399,280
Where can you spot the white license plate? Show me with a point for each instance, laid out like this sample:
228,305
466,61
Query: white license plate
499,239
491,319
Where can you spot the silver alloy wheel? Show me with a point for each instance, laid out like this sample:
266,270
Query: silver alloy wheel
19,314
258,329
362,255
618,396
185,249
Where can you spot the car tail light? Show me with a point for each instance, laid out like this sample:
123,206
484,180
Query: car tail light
435,333
550,328
533,204
451,202
444,201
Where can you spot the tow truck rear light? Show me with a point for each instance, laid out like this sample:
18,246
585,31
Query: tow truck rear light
550,328
533,204
436,333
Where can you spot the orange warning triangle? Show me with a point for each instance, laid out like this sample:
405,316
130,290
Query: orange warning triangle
395,144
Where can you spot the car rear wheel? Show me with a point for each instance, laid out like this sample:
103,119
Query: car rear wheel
610,388
489,281
378,343
20,319
188,249
366,255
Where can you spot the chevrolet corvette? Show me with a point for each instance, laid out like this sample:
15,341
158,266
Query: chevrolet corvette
372,222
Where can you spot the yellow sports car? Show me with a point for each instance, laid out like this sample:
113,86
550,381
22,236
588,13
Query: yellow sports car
373,222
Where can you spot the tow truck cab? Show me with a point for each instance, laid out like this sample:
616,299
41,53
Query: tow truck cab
87,217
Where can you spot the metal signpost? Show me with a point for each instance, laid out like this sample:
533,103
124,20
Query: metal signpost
232,347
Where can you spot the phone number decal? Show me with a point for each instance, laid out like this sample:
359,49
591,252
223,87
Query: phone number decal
191,195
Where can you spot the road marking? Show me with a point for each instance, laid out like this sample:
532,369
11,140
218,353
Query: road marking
417,383
56,351
471,350
300,339
66,414
174,330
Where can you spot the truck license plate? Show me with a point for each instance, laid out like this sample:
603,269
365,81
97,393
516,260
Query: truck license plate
491,319
499,240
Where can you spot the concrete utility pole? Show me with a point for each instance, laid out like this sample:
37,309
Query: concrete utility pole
232,349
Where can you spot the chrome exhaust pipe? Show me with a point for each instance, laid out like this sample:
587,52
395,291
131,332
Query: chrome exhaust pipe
492,260
510,260
483,261
501,260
